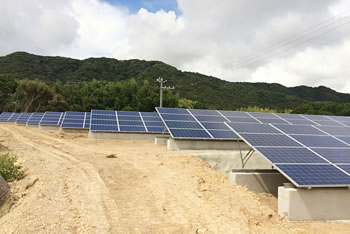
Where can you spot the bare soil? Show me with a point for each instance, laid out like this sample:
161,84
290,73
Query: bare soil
80,185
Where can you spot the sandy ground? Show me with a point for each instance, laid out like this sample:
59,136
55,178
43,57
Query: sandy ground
78,187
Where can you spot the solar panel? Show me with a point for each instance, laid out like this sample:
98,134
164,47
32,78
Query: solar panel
51,119
14,117
126,121
186,133
301,122
204,112
76,120
223,134
334,155
235,114
290,116
242,119
315,117
35,118
5,116
275,121
319,141
328,123
210,118
252,128
263,115
335,131
172,111
313,162
317,175
290,155
24,118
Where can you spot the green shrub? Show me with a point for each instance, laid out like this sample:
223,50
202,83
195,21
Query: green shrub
9,168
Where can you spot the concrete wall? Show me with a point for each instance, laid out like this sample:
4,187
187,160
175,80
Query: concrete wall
32,125
162,140
314,204
123,136
260,181
176,144
4,189
73,130
43,127
225,160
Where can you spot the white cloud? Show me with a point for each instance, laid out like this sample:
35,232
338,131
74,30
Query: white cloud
208,36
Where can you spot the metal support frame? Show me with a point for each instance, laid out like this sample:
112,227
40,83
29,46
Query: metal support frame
245,159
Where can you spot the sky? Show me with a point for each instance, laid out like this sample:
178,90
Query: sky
291,42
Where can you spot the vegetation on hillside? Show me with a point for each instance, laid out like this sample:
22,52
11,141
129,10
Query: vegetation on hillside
10,170
36,83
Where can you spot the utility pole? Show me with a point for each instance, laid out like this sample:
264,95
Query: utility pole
161,81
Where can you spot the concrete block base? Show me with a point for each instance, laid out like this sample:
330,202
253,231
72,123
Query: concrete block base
260,180
314,204
43,127
123,136
4,189
21,124
162,140
32,125
176,144
74,130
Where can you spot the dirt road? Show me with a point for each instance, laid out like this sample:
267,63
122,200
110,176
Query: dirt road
80,185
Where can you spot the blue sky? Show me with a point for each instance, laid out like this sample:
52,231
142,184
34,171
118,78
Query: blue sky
150,5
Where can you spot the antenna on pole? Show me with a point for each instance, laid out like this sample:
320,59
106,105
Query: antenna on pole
161,81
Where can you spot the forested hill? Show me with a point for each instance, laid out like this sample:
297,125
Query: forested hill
209,92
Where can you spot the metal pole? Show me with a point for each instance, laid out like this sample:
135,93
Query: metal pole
161,93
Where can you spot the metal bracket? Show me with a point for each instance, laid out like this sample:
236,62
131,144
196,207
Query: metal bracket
245,159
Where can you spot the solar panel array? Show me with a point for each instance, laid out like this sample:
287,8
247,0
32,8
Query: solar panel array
14,117
24,118
35,118
4,116
76,120
51,119
307,155
206,124
125,121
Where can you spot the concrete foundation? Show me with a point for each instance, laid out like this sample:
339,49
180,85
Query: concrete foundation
123,136
225,160
314,204
162,140
176,144
32,125
44,127
4,190
74,130
260,181
21,124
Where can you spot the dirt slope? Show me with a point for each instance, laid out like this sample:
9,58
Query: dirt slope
82,185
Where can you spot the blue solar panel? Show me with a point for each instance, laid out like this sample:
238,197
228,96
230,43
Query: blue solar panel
204,112
51,118
328,123
340,118
76,120
178,117
24,118
104,121
149,114
179,124
242,120
301,122
156,129
252,128
334,155
210,118
14,117
292,129
315,117
154,124
72,121
5,116
128,113
346,123
222,134
103,112
345,139
274,121
131,122
129,118
335,131
346,168
319,141
186,133
269,140
109,117
263,115
290,116
72,125
319,175
290,155
35,118
132,129
210,125
234,114
172,111
152,119
107,128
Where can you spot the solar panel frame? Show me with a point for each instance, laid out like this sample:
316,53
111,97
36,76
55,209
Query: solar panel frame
51,119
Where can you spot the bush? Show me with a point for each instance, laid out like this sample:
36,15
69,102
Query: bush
9,168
